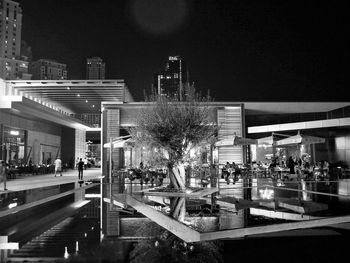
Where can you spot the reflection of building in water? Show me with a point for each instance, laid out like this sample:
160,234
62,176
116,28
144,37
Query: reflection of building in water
92,209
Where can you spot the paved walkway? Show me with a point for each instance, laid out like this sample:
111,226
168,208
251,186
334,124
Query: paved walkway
35,181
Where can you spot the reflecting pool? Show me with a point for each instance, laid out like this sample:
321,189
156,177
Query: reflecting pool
252,218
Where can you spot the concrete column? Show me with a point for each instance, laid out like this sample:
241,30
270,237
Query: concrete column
79,195
80,143
113,131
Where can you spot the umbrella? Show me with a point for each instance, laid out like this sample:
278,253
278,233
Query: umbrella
300,139
235,140
270,140
120,142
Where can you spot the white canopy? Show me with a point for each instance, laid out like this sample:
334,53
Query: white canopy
270,140
119,143
235,140
300,139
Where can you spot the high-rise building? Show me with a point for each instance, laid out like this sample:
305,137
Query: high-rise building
95,68
48,69
12,64
173,78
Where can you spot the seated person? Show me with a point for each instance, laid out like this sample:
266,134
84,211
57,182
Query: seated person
226,171
308,171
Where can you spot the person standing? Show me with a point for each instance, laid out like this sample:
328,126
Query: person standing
290,165
80,169
85,163
58,166
3,173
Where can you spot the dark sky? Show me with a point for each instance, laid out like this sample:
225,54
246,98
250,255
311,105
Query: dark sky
240,50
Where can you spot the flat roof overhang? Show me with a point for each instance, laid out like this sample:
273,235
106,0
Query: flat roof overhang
256,108
74,96
24,107
259,108
339,122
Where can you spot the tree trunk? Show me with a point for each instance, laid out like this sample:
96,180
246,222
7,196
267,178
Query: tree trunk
178,208
177,176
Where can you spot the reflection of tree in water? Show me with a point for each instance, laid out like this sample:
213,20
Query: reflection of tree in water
107,251
166,247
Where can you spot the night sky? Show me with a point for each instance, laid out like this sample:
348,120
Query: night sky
239,50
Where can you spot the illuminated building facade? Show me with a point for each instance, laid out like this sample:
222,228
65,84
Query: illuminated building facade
95,68
173,78
12,65
48,69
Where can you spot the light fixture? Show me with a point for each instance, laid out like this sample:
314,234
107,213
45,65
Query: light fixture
86,101
78,95
68,88
93,106
16,133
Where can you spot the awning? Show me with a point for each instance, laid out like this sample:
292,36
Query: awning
120,143
300,139
235,140
271,140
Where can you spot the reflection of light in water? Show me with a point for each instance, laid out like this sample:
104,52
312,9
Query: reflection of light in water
266,193
344,188
92,195
12,205
306,196
188,191
66,253
77,246
85,235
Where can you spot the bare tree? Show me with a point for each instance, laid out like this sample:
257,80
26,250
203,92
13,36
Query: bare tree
170,128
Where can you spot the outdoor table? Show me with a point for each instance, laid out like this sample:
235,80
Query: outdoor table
281,172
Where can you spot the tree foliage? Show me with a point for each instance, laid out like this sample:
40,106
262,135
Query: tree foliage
173,126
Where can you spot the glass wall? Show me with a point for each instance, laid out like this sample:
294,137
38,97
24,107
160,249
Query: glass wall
14,147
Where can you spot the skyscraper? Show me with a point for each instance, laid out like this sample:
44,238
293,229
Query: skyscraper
48,69
173,78
95,68
12,65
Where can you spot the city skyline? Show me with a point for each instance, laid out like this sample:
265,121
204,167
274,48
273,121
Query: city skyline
288,51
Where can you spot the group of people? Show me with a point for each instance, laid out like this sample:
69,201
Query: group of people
147,174
303,168
231,169
4,168
80,165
